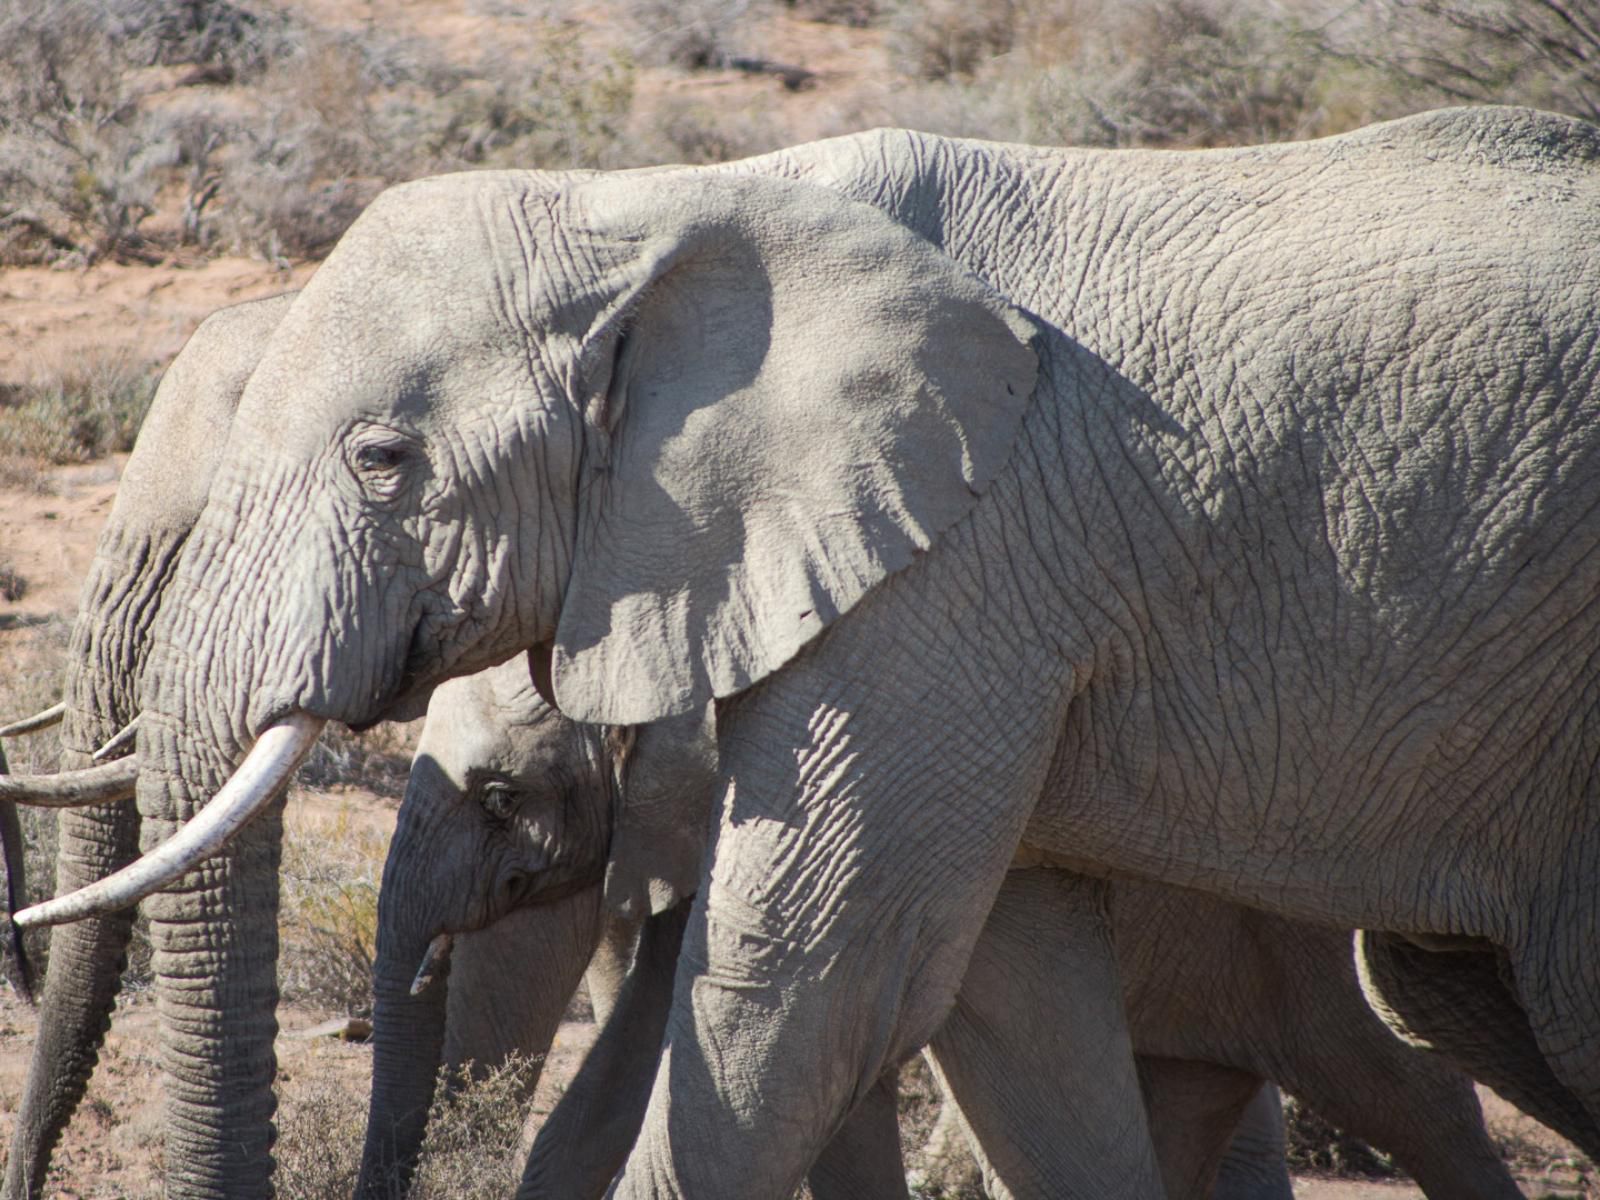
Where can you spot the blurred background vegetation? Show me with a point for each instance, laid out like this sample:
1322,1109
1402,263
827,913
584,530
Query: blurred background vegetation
136,130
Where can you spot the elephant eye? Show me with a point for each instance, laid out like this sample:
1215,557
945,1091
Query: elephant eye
499,800
379,459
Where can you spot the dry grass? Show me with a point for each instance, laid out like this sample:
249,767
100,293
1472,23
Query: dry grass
471,1151
1315,1145
328,913
78,412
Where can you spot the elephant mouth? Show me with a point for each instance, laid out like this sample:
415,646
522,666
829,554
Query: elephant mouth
408,700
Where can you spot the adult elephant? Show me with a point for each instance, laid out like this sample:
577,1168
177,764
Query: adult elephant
510,804
217,975
213,1048
1251,489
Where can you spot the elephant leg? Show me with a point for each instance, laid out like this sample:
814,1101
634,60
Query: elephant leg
1462,1005
869,822
81,983
1036,1047
1195,1109
584,1141
1419,1108
1256,1165
863,1158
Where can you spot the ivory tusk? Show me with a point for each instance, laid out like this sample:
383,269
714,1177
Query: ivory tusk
129,732
42,719
105,784
269,765
433,960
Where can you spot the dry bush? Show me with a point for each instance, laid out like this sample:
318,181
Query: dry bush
1544,53
328,914
13,586
81,412
687,33
857,13
944,38
471,1151
223,40
1315,1145
318,1150
90,145
342,116
378,760
80,161
1153,73
683,129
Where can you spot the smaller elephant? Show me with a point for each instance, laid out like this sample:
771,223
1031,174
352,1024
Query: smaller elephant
512,808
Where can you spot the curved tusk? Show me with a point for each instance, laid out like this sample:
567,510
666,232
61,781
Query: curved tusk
42,719
129,732
105,784
270,763
433,961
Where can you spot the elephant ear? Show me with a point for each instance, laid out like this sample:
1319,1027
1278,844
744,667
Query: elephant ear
667,782
789,396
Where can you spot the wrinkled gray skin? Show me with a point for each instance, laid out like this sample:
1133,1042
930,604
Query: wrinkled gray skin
162,492
1219,997
1253,489
160,497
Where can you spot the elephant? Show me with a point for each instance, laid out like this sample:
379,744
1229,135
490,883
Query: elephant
509,802
162,492
1224,514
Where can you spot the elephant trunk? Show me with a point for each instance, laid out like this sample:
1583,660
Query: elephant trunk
408,1035
214,936
213,932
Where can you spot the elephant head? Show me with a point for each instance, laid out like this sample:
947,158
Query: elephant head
625,423
162,492
512,814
